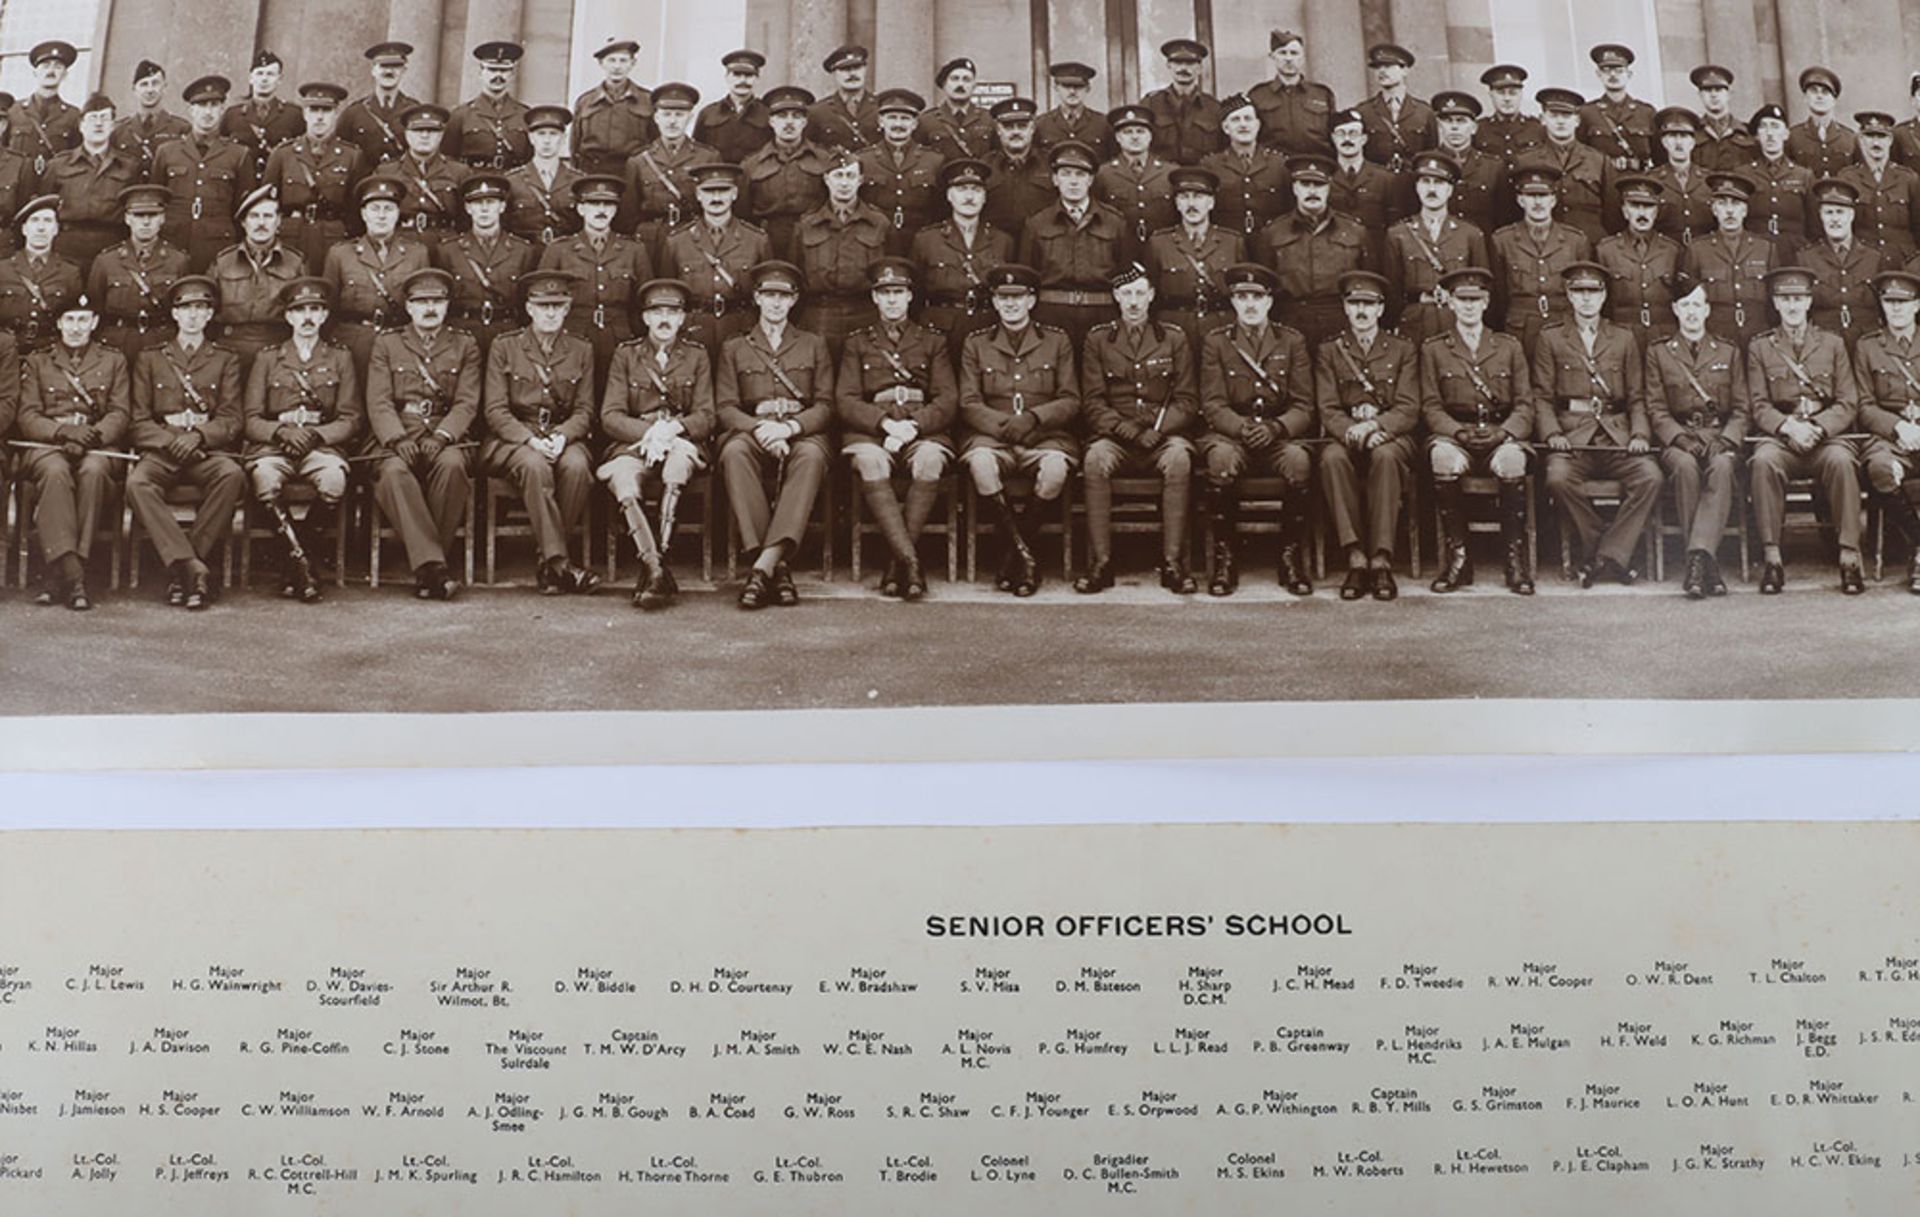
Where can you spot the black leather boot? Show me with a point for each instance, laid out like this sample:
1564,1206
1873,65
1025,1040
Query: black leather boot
1513,531
1456,566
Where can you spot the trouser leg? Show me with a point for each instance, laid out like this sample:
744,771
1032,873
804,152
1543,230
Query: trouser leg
886,512
1767,477
1567,475
1715,503
1104,458
404,504
449,494
1684,475
1836,468
1340,486
147,488
740,461
1387,467
806,468
221,485
533,477
1639,481
1174,460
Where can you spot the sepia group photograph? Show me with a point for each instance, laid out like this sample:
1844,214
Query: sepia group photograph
515,356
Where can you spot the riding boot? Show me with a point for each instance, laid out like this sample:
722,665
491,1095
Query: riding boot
1513,531
1223,512
1456,564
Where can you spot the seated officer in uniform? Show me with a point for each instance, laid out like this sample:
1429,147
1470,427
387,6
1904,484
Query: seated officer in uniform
1367,389
73,404
657,416
366,272
302,409
538,404
1805,398
1140,395
896,399
1590,409
773,392
1018,398
1887,364
1477,399
186,426
1697,405
1256,394
423,395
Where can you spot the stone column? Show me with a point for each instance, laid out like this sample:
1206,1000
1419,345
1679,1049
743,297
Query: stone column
418,24
903,46
487,21
1861,40
546,30
1421,27
1469,43
818,26
1336,48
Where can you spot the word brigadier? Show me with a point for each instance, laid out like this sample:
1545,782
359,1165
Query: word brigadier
1405,297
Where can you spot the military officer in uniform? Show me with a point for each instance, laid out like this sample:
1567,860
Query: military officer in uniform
896,400
1252,175
1581,172
1698,408
372,123
1805,398
614,119
833,245
773,393
314,175
41,125
1360,188
786,179
1725,142
1310,248
1616,124
485,263
73,395
1639,263
605,268
1528,257
659,194
1686,200
1476,398
1508,131
954,256
900,178
1733,262
1076,244
1590,410
955,126
1293,110
1421,250
89,180
253,276
1397,123
186,424
130,282
208,175
17,180
1136,183
1072,118
849,117
302,410
1367,394
1187,262
1842,266
1820,141
423,396
1887,365
431,207
1479,194
1778,206
538,405
365,274
1888,213
1185,118
715,254
539,206
1019,399
736,126
36,284
1906,133
1140,397
657,416
1021,180
490,131
141,132
262,122
1256,397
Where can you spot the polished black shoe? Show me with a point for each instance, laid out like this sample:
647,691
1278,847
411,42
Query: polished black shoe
1358,584
1773,578
1009,571
1293,571
1694,584
1456,569
47,596
1589,574
1099,578
655,588
1716,584
913,581
1027,581
77,598
785,594
1384,588
199,591
1519,570
758,592
893,579
297,582
177,586
434,582
1176,578
1625,576
1853,580
1225,577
